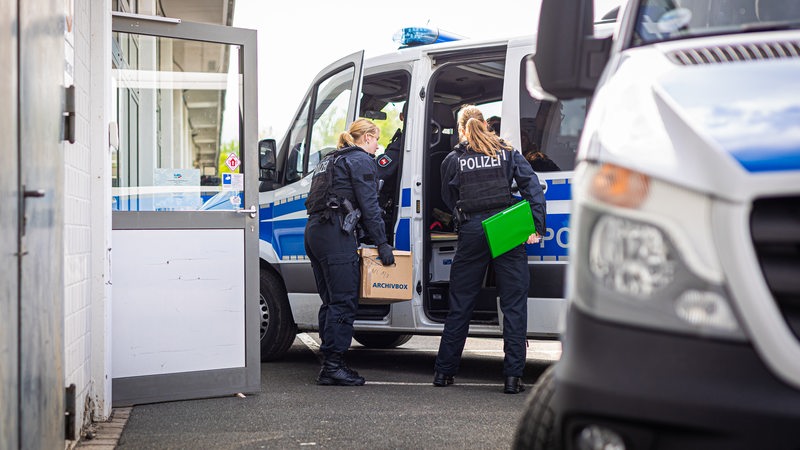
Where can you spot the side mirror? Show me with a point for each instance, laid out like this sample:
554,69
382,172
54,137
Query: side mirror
266,162
569,59
266,154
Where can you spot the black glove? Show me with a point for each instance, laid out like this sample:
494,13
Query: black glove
385,252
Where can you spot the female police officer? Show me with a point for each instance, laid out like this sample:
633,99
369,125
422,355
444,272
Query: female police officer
476,183
344,186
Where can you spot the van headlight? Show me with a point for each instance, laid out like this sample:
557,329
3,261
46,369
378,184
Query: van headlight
630,257
649,262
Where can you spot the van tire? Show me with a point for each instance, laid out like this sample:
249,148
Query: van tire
278,329
536,427
381,340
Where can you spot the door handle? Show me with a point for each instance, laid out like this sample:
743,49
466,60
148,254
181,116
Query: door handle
23,215
252,211
33,193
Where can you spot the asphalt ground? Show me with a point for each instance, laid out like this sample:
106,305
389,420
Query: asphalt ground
398,407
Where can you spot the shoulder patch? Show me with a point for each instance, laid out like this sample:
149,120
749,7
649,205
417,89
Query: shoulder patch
384,160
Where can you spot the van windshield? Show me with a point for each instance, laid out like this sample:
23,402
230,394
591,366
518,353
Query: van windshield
663,20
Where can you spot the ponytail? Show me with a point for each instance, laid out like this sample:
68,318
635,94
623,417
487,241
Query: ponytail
472,128
345,140
356,132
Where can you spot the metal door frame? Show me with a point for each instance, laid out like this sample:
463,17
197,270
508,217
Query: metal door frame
205,383
9,227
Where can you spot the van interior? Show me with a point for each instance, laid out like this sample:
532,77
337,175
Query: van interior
548,130
457,82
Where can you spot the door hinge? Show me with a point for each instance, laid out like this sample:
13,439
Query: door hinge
419,287
69,114
422,93
70,413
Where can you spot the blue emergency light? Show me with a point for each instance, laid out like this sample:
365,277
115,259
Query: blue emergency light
412,36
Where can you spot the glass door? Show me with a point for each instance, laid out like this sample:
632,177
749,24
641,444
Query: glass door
185,223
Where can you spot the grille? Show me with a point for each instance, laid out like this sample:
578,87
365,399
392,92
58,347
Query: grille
775,229
735,52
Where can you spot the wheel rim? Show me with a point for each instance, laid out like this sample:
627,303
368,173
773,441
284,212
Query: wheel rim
262,303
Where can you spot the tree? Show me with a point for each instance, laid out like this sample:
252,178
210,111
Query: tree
391,124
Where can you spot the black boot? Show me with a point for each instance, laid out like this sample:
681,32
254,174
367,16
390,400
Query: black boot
442,380
344,366
347,368
513,385
335,373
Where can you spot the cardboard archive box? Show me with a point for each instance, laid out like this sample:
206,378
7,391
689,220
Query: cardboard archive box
385,284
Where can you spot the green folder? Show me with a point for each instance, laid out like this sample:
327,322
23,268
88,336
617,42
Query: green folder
509,228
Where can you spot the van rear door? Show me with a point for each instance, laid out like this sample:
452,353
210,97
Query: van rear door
547,133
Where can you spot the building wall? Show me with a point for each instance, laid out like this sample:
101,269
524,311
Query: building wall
102,116
77,213
87,221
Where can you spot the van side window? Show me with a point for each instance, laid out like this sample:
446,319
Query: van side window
330,115
549,131
297,145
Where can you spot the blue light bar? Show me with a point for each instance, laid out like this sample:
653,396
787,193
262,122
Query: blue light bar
412,36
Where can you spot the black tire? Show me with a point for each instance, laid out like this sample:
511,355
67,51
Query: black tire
381,340
278,329
536,427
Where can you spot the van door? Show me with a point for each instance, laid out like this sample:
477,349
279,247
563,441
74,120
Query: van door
328,108
185,321
547,134
463,76
492,79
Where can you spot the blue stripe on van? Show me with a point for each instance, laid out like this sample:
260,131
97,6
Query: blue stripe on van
402,238
556,238
292,206
287,237
405,197
770,159
558,190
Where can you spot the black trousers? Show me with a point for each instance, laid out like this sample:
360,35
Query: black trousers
466,276
337,272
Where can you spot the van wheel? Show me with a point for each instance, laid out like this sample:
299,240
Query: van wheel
535,428
278,329
381,340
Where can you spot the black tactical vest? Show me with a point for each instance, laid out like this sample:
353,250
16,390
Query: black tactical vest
483,185
321,191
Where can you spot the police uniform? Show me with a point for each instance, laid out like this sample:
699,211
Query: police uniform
476,186
346,174
388,164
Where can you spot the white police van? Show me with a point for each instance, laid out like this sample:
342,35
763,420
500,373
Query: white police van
427,84
683,328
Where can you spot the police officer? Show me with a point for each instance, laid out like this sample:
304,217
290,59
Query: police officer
344,192
388,168
388,163
476,183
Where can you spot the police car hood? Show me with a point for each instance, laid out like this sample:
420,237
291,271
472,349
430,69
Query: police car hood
714,127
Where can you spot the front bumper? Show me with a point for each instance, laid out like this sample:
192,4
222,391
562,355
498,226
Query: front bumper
664,391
